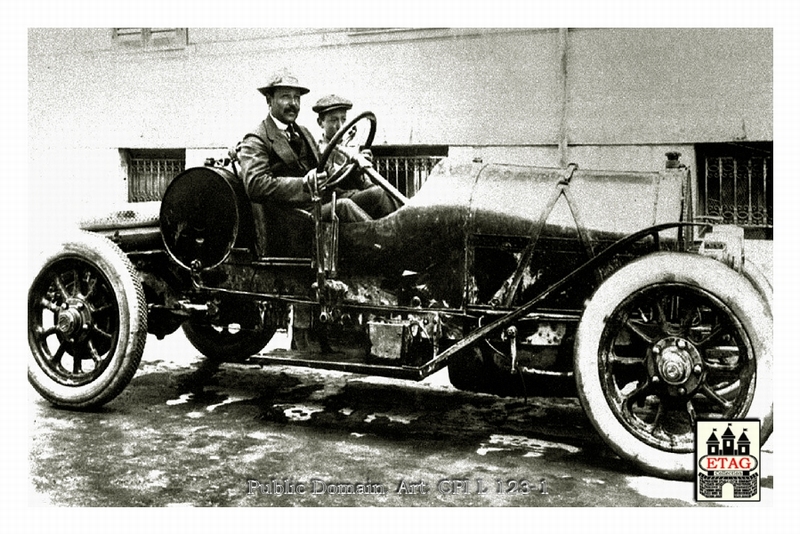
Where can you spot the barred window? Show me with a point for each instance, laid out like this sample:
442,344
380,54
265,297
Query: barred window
151,170
736,185
407,166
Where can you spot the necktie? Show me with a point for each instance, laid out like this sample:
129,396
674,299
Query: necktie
295,141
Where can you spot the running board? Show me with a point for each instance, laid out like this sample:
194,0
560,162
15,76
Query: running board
388,371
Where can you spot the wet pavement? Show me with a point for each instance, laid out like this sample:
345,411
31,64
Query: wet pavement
184,433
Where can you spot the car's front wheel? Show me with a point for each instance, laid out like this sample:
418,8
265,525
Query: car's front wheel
87,322
666,341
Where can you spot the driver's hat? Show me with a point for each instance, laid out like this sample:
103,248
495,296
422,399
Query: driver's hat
282,78
331,102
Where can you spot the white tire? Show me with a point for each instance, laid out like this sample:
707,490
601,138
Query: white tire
87,322
668,339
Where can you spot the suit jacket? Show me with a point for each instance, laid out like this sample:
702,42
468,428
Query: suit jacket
271,171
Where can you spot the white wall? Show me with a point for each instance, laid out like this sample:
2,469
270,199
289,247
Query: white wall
630,86
624,86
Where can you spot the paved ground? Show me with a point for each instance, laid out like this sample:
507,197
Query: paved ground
183,434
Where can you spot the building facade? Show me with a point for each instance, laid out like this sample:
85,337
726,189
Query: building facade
115,112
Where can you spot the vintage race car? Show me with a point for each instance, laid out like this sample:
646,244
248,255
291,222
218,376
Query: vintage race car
520,280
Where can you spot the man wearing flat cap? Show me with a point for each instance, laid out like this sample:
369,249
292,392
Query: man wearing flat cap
331,113
331,116
279,158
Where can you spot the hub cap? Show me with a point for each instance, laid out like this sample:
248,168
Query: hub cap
74,318
677,363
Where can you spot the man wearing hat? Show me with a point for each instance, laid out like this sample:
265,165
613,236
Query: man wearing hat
279,158
332,115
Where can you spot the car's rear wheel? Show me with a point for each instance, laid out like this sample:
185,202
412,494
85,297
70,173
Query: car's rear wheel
468,371
87,323
668,340
229,343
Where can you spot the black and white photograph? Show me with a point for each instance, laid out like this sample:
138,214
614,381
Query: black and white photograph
388,266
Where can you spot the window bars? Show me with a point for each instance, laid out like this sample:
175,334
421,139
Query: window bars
739,190
406,173
148,178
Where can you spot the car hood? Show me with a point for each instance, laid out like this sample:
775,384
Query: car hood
467,199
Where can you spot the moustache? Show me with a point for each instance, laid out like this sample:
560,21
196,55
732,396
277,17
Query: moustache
290,108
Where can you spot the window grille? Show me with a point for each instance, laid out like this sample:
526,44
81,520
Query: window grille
150,172
736,185
407,167
406,174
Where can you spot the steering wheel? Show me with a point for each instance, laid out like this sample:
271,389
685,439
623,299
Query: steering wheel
342,173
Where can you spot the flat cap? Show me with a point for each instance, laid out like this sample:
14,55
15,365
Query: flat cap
331,102
282,78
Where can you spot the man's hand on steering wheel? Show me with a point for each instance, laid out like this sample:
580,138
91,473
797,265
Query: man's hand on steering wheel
316,182
362,158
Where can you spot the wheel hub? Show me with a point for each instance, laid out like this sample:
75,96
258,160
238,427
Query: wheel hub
673,368
677,363
74,318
